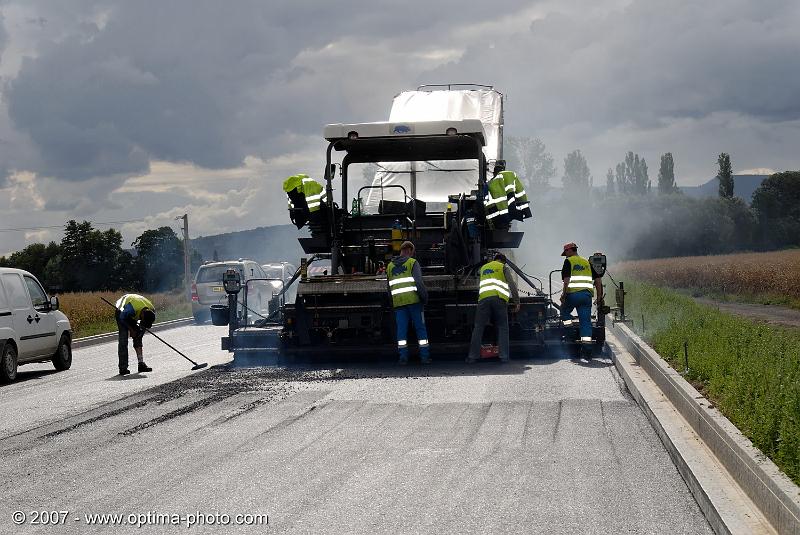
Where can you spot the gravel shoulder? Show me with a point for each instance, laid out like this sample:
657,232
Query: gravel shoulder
773,314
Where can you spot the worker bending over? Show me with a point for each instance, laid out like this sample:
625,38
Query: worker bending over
134,314
580,281
496,287
409,296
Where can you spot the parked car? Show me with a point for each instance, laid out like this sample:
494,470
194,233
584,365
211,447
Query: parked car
281,273
207,289
32,329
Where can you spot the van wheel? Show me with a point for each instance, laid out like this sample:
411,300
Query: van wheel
62,360
8,364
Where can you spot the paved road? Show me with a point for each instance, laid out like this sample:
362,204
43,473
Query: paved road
540,446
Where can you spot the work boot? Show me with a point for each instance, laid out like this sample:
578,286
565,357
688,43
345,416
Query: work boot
470,360
426,360
402,361
144,367
124,371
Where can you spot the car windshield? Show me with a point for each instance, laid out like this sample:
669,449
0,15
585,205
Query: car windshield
274,272
214,273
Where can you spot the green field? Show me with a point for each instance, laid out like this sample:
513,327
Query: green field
749,370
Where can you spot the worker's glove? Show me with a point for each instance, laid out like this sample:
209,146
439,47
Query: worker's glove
563,297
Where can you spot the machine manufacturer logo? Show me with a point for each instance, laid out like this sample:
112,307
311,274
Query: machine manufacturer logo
401,129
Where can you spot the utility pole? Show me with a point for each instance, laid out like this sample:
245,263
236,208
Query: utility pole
187,275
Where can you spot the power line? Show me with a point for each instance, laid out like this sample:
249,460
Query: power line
25,229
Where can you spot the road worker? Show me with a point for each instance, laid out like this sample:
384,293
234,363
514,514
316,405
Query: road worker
495,203
306,198
495,288
516,197
134,314
409,297
580,282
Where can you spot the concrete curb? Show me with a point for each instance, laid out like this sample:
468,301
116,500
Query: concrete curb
749,472
110,337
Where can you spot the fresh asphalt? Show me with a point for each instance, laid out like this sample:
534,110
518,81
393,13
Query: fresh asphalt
545,445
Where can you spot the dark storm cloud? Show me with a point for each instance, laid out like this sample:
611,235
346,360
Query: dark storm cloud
647,63
205,82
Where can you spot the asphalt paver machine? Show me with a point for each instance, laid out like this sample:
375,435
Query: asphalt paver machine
423,176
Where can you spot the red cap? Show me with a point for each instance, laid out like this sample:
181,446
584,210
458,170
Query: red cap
567,247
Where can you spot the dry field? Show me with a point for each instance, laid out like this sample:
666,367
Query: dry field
89,315
764,277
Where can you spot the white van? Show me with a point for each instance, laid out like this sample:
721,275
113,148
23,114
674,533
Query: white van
32,329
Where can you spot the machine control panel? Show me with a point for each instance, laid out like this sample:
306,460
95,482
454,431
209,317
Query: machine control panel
598,263
232,281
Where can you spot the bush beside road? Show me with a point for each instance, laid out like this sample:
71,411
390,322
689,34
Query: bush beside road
89,315
749,370
766,278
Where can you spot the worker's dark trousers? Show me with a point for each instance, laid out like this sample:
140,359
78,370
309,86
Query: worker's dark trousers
122,348
495,309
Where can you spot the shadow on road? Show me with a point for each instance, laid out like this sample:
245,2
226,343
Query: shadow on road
31,375
126,377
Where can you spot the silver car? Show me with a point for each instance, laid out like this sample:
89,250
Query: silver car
281,273
207,289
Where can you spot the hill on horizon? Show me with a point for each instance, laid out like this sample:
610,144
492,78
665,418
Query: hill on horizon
263,244
743,186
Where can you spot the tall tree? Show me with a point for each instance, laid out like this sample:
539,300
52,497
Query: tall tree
529,158
622,183
666,175
778,197
93,259
641,184
632,176
577,177
610,189
725,176
33,258
159,257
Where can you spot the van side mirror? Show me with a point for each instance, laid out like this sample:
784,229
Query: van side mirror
54,303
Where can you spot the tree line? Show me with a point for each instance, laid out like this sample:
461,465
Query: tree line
88,259
658,220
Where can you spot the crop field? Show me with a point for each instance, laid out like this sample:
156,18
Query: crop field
89,315
769,278
749,370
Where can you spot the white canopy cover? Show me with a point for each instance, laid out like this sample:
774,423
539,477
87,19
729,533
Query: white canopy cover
435,180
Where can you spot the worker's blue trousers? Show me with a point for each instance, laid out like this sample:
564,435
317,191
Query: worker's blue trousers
411,313
583,302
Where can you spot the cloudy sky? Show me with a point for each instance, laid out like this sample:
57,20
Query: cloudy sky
116,110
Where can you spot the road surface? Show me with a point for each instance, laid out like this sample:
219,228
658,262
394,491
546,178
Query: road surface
541,446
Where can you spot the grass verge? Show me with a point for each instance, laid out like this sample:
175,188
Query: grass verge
88,315
749,370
